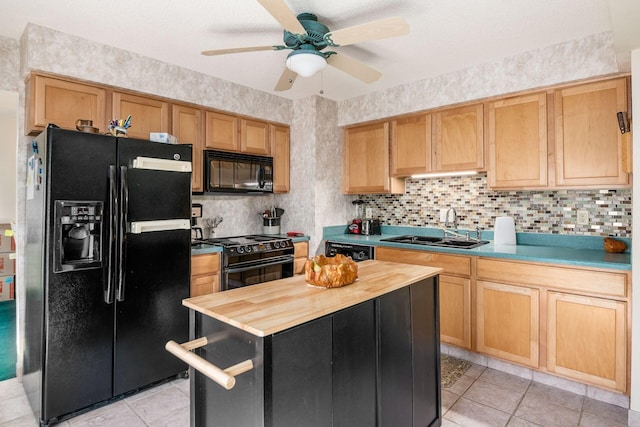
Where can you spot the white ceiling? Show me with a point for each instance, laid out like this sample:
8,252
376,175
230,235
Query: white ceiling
444,35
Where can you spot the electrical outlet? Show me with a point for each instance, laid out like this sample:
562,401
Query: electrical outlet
583,217
368,213
443,214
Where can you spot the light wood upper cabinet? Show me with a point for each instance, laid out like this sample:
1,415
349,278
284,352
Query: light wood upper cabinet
411,145
588,140
366,161
187,127
281,158
62,102
518,142
508,322
254,137
147,114
221,131
586,339
458,142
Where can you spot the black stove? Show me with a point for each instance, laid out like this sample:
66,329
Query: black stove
252,244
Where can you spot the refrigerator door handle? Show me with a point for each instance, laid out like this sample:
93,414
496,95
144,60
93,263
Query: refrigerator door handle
122,229
137,227
111,256
161,164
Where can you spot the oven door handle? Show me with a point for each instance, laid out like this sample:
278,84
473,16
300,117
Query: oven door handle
272,261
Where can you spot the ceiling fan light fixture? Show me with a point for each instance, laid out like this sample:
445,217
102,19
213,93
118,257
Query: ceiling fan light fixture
306,62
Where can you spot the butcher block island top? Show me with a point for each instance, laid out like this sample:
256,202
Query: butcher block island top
272,307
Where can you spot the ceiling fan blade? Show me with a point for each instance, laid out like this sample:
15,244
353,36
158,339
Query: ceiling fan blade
287,78
354,68
279,10
385,28
238,50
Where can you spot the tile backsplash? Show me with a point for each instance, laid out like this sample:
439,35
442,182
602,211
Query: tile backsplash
534,211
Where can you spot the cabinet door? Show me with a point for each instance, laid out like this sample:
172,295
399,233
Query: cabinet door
366,161
147,114
586,339
221,132
588,139
518,142
411,145
186,125
458,142
455,310
301,376
507,322
62,102
254,137
281,160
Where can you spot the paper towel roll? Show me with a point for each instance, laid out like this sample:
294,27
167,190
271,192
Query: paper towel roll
504,231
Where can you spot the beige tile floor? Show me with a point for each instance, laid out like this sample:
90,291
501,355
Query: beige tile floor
481,397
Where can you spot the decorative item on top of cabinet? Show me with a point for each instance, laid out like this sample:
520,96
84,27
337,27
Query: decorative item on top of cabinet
205,274
280,150
411,145
458,142
148,114
254,137
221,131
365,164
587,137
300,253
62,102
518,142
454,287
186,125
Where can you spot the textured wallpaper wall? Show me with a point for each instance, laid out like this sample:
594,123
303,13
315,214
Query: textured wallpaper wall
533,211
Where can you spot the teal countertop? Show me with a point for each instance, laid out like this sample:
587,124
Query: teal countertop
209,249
586,251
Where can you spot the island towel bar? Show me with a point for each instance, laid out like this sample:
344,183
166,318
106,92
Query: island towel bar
224,377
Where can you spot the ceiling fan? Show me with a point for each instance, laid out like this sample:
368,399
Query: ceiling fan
307,38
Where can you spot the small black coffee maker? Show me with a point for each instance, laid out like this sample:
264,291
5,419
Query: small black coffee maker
196,212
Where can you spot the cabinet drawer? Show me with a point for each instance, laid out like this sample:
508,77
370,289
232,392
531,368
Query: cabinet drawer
574,279
205,285
452,264
301,249
205,264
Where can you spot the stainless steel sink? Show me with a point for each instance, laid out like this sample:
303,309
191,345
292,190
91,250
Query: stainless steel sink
437,241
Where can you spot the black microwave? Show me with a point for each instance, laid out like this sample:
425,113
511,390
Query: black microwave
226,172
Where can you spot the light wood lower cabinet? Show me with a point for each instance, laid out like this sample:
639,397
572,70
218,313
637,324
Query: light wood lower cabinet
586,339
301,254
454,287
205,274
508,322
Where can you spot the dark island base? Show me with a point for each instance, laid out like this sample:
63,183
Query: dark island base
373,364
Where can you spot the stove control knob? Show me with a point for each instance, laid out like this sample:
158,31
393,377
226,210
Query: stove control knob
247,249
240,250
276,245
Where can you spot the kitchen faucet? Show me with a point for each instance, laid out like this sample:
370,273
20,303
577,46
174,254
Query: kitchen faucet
454,224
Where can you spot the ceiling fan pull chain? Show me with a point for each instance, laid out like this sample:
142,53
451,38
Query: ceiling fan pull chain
321,83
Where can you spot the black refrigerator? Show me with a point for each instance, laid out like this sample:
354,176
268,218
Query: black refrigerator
108,249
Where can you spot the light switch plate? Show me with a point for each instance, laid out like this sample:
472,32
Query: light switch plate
368,213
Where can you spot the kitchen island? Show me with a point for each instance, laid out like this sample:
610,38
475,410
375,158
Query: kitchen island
364,354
